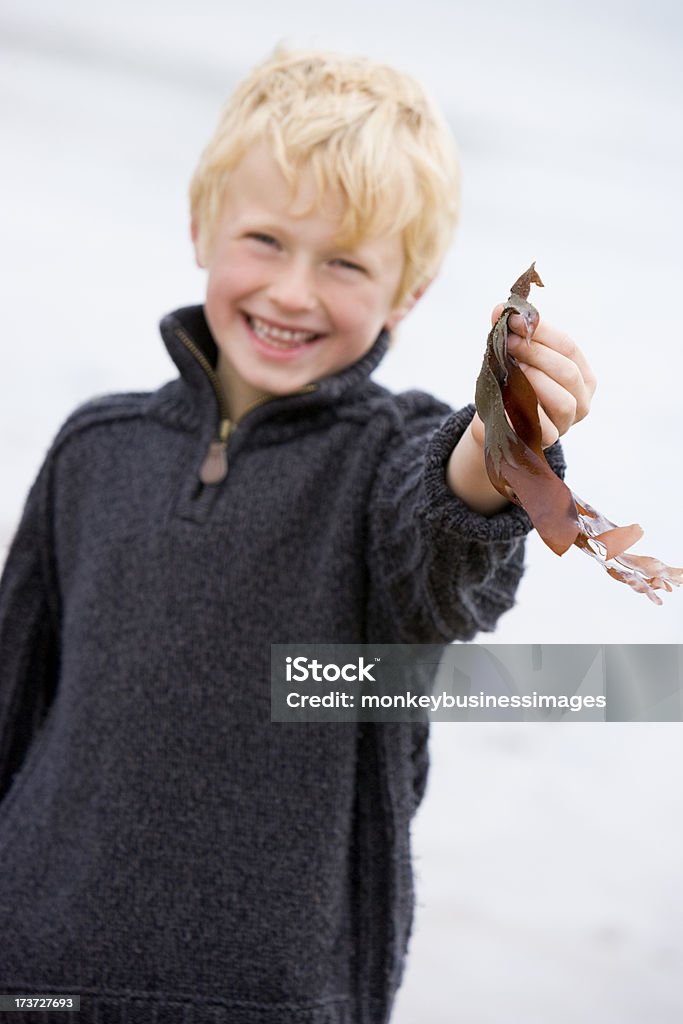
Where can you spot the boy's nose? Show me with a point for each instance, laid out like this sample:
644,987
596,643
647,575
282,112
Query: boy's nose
292,288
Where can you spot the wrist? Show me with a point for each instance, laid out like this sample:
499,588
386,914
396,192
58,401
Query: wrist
466,473
478,432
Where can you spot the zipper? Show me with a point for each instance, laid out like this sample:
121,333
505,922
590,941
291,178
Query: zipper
214,467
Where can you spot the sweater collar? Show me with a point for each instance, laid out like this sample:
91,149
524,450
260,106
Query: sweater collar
189,342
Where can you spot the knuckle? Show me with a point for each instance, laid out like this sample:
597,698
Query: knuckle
577,380
568,408
571,348
584,405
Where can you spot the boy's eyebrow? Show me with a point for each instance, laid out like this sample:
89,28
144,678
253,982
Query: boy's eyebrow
260,224
267,226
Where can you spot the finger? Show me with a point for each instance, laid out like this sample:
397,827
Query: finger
517,324
559,405
549,432
558,368
559,341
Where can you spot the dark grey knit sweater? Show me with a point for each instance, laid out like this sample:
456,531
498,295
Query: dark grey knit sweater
166,851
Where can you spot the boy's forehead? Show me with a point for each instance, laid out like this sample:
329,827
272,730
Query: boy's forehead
257,191
259,178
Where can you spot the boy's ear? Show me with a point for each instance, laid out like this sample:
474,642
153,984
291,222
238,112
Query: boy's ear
198,253
410,300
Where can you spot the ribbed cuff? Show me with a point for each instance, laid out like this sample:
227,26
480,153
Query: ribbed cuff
449,510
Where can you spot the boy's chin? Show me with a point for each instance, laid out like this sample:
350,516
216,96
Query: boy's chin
280,389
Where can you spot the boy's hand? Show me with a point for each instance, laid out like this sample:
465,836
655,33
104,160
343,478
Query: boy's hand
558,372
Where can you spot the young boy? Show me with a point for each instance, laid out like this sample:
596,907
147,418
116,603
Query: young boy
168,853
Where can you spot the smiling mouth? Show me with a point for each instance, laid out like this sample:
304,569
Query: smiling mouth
280,337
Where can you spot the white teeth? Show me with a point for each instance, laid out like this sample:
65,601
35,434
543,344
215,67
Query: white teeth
278,336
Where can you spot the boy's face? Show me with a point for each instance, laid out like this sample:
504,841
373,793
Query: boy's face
285,305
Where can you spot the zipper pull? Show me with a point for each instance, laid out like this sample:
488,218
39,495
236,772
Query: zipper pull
214,468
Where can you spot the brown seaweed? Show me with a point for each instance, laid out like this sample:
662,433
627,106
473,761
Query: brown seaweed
518,469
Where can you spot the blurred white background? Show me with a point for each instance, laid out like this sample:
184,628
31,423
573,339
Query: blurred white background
547,856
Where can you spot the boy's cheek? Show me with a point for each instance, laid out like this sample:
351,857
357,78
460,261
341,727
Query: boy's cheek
227,284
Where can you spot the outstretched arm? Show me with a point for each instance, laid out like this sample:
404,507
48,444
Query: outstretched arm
438,570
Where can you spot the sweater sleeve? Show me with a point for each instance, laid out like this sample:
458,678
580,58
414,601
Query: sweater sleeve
29,648
438,570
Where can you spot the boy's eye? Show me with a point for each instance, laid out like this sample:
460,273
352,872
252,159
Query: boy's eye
349,265
262,237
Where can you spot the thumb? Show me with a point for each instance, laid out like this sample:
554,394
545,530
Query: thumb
516,323
497,310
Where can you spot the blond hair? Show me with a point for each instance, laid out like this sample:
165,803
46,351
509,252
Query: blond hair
365,129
